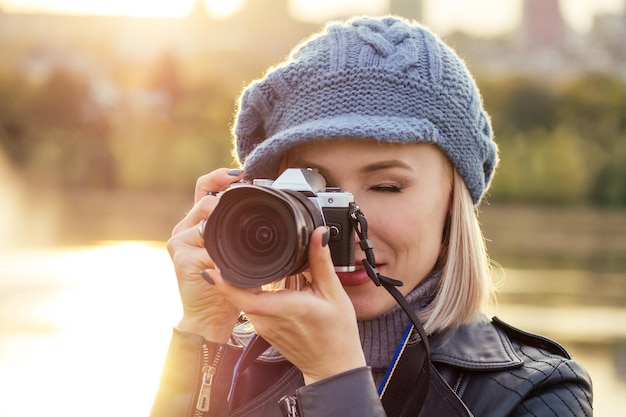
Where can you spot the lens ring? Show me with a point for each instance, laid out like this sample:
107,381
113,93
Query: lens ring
233,232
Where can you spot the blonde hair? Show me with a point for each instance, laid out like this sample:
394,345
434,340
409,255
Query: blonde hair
465,285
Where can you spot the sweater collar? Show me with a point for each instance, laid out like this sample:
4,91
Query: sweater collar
381,335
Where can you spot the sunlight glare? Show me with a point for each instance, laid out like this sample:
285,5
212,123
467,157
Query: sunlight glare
144,8
580,14
221,9
141,8
484,17
108,316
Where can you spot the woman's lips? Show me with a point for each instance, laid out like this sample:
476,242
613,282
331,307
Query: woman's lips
358,277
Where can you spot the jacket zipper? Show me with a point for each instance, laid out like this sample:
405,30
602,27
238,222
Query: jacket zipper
457,384
208,372
289,406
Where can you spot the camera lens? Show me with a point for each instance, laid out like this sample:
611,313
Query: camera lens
261,237
259,230
257,235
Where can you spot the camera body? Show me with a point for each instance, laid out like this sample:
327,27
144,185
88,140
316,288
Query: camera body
260,232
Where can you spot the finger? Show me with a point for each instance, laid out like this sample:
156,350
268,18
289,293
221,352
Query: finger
187,250
215,181
199,212
197,232
242,298
323,276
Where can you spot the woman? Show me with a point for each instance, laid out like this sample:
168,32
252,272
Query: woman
382,109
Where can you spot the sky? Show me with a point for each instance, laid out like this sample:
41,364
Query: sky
481,17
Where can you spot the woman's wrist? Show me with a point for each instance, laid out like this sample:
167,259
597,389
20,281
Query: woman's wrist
217,333
345,364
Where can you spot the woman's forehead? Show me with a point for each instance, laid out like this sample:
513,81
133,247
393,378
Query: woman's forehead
353,147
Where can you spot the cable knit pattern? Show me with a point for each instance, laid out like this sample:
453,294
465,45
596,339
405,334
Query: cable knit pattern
385,79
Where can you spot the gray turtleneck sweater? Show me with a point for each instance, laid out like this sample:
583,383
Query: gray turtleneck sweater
381,335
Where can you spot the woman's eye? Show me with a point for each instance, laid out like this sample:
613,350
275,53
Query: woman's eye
386,188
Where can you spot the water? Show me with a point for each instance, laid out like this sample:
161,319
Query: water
84,330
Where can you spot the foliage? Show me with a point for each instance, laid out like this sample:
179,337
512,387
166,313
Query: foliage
560,143
158,132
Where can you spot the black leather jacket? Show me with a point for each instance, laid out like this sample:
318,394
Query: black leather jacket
482,369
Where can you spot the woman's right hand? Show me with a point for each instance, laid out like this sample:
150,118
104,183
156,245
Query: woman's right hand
205,311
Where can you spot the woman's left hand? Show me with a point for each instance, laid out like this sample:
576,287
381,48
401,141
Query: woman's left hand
314,328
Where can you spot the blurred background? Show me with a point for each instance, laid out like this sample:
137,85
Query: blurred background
109,111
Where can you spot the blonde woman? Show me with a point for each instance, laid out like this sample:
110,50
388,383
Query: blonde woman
385,112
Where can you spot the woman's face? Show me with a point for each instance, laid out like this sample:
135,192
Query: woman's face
404,193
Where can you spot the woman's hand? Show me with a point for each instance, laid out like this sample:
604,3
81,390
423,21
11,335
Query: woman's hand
314,328
205,311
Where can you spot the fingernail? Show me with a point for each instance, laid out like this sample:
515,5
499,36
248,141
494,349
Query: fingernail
207,277
326,237
234,172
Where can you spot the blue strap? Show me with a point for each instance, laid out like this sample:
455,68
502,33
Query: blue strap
394,360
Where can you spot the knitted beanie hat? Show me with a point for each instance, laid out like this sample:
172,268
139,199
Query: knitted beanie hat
379,78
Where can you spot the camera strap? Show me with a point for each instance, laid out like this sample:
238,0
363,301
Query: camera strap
408,376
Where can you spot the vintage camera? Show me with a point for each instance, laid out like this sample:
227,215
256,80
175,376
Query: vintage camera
259,232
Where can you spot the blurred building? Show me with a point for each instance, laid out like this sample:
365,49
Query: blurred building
542,24
544,46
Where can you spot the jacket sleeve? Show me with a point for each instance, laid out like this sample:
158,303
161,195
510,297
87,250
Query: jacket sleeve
185,377
352,393
565,392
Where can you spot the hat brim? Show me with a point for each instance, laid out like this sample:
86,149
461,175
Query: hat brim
264,161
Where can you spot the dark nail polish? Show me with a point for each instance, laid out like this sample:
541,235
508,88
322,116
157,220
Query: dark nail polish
207,277
235,172
326,238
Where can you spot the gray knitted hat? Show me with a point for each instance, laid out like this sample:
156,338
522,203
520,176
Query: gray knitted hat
385,79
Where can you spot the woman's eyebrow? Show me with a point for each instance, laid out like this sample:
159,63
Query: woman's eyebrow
382,165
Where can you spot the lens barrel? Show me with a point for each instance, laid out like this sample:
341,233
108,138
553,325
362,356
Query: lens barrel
257,235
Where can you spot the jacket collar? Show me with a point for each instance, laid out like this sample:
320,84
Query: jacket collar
475,346
478,345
